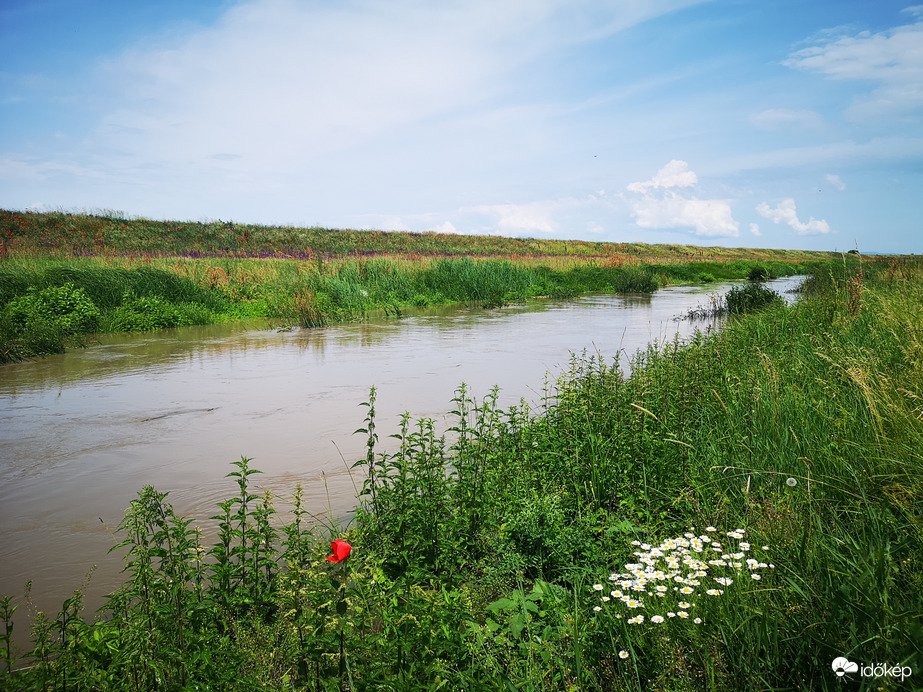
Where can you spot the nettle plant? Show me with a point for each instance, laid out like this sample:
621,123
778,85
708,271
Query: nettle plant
682,580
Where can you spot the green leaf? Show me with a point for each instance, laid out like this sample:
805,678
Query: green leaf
501,604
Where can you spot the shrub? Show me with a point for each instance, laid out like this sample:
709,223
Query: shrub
751,297
758,273
634,281
66,307
148,313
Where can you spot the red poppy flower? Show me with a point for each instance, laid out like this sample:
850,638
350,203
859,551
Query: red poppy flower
340,550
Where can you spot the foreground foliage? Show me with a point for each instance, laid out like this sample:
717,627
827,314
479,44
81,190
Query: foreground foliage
481,554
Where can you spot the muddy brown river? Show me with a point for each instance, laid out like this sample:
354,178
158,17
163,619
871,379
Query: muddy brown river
81,433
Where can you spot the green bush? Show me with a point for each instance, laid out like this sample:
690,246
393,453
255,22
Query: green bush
751,297
147,313
634,281
65,306
758,273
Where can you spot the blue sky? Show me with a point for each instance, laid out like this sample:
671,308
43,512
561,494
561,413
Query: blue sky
784,124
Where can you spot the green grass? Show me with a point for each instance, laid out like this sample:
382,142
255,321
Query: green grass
112,233
131,294
475,554
139,274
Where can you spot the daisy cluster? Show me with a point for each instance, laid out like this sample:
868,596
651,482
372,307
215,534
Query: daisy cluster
666,579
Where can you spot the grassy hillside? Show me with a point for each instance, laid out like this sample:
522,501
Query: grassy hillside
80,234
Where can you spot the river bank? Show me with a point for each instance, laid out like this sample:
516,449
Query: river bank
64,277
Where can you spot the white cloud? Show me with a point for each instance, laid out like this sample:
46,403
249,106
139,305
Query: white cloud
836,181
674,174
778,118
755,230
446,227
659,206
522,218
891,58
785,212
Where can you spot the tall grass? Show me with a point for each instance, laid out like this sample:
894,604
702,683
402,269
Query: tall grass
480,553
144,294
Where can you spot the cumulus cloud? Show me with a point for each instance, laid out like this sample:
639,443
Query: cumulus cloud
891,58
836,181
659,205
786,213
755,230
674,174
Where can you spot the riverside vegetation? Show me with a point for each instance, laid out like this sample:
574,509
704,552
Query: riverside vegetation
488,557
65,277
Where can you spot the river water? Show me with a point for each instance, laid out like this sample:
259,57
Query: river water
81,433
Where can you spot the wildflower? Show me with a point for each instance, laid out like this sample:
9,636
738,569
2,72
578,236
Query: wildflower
605,599
623,654
671,615
724,581
340,550
710,528
686,590
698,621
755,576
615,594
637,620
791,482
657,618
744,546
683,604
714,592
765,547
598,587
683,614
597,608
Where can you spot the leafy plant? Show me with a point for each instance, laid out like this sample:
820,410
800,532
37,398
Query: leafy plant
751,297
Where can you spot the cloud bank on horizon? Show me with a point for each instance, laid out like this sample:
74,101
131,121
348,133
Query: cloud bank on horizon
678,121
